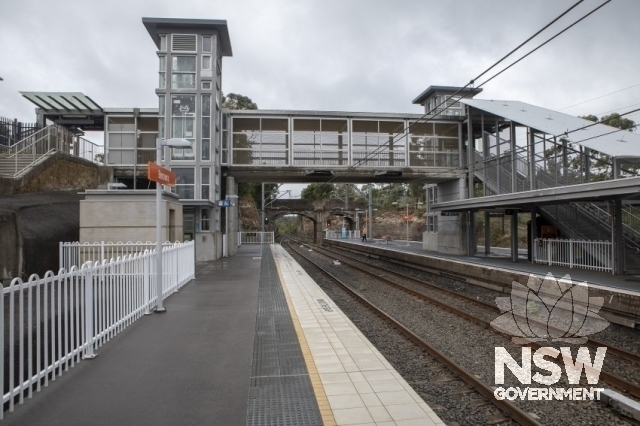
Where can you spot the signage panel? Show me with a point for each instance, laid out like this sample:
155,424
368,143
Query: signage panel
161,175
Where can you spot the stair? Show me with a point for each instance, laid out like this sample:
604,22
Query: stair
583,221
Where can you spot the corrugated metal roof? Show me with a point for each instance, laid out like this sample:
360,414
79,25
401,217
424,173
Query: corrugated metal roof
63,102
599,137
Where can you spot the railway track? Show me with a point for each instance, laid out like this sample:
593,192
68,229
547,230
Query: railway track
506,407
384,274
387,275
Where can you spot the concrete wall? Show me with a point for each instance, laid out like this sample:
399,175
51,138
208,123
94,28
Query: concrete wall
430,240
128,215
58,172
31,227
208,246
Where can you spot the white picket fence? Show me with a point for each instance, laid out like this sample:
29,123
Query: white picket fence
55,321
593,255
76,253
256,237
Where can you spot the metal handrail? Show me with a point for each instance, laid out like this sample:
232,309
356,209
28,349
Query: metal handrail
52,138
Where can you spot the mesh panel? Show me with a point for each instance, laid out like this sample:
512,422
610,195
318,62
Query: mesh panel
280,391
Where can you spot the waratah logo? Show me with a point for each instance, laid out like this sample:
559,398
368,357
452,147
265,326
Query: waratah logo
549,310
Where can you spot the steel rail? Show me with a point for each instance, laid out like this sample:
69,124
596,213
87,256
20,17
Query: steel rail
610,378
592,342
503,405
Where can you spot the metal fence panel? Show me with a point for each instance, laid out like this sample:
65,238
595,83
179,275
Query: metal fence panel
593,255
55,321
256,237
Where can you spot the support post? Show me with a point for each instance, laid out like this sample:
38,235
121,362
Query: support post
88,312
370,221
618,242
514,236
532,158
159,278
534,233
514,165
471,237
487,233
470,152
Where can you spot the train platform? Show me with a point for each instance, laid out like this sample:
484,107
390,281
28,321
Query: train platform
501,258
252,340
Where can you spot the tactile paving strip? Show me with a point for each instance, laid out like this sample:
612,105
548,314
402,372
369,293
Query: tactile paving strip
280,392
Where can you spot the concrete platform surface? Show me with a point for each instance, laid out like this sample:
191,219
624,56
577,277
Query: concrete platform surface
188,366
353,382
501,258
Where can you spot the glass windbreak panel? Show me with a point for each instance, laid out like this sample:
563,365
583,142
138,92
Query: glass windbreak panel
206,175
144,156
183,81
274,125
206,127
183,127
122,140
206,44
162,81
162,60
121,124
306,125
161,127
204,215
274,141
334,126
147,124
242,157
163,43
206,149
417,128
161,106
206,62
361,126
147,140
206,105
391,127
446,129
246,140
184,64
246,124
183,105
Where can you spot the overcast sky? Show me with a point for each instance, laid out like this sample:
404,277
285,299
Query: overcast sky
329,55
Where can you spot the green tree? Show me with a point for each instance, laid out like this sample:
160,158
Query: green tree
245,189
317,191
615,120
236,101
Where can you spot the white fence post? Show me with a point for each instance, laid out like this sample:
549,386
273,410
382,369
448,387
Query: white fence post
146,268
89,310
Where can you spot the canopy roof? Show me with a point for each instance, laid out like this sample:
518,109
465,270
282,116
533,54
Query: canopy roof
63,102
599,137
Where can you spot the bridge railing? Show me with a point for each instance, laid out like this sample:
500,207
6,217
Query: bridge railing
52,323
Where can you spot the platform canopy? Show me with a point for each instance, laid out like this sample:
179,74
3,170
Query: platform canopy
69,109
598,137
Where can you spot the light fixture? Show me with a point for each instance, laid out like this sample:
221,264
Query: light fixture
318,172
115,185
388,173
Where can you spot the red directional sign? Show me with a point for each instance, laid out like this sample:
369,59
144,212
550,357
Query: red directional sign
161,175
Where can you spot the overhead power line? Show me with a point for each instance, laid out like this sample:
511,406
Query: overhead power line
471,82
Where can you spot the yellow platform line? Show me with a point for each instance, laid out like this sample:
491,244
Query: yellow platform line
318,389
